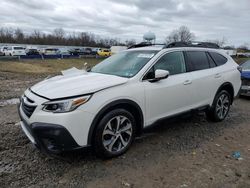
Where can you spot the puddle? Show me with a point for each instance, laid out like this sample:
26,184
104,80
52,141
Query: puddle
9,102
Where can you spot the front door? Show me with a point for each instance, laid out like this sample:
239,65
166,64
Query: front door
168,96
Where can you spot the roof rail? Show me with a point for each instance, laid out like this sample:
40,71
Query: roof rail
192,44
144,44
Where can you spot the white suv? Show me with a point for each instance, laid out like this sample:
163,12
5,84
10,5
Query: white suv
15,51
112,103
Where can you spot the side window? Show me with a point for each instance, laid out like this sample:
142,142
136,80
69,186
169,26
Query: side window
197,60
211,61
219,59
173,62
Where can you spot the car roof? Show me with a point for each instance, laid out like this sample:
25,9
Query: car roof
159,48
149,48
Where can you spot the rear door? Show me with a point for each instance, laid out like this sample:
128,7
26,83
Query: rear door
205,74
171,95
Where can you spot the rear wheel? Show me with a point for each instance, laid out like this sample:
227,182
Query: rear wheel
114,133
221,106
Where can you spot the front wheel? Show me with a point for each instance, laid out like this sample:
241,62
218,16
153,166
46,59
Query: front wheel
221,106
114,133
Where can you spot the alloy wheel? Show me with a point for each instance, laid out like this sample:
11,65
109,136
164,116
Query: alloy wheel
117,134
222,106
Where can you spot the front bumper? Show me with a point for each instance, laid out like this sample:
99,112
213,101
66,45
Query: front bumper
49,138
245,90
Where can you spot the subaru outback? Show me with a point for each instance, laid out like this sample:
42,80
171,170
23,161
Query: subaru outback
108,106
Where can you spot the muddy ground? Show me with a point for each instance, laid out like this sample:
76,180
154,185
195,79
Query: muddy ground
185,152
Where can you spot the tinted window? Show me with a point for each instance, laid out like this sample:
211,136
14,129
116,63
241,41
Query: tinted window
219,59
173,62
211,61
18,48
197,60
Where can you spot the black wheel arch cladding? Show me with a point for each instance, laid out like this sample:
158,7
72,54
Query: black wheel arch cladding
126,104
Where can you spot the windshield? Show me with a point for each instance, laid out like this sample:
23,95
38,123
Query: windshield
124,64
246,65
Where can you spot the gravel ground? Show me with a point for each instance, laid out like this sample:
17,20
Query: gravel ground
185,152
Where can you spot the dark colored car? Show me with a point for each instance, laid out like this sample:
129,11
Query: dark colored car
81,51
74,51
32,52
85,51
245,76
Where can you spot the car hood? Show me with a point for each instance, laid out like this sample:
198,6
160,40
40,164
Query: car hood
73,85
245,74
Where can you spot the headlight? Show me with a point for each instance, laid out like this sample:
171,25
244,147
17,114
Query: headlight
65,105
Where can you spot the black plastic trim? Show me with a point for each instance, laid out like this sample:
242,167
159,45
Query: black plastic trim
223,85
62,139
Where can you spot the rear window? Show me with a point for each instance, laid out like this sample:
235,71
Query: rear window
197,60
51,50
218,58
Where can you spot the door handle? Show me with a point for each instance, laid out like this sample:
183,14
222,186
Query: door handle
187,82
218,75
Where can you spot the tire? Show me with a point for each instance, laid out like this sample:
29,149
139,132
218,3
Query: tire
114,133
220,108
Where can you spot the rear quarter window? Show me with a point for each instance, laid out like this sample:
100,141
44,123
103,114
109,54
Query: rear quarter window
218,58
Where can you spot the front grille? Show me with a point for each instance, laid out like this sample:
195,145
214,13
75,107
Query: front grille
28,109
245,82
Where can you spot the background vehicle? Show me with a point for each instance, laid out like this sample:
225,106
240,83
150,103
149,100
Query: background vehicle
74,51
31,51
85,51
245,76
116,49
1,53
112,103
15,51
48,51
94,51
104,52
63,51
3,50
81,51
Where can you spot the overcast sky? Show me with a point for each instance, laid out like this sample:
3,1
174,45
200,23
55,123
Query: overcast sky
207,19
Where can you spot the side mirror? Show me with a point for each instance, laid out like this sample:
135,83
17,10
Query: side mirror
159,75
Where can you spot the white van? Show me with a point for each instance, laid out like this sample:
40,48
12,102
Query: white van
15,51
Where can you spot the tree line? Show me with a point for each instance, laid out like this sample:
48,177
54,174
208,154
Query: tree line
59,37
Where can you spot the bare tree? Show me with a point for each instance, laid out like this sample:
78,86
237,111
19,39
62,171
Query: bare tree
130,42
243,47
57,37
19,35
220,42
183,34
59,33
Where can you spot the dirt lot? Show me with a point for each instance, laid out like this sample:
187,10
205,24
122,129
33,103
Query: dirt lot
185,152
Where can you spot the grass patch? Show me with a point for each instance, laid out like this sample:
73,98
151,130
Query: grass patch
241,60
45,66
